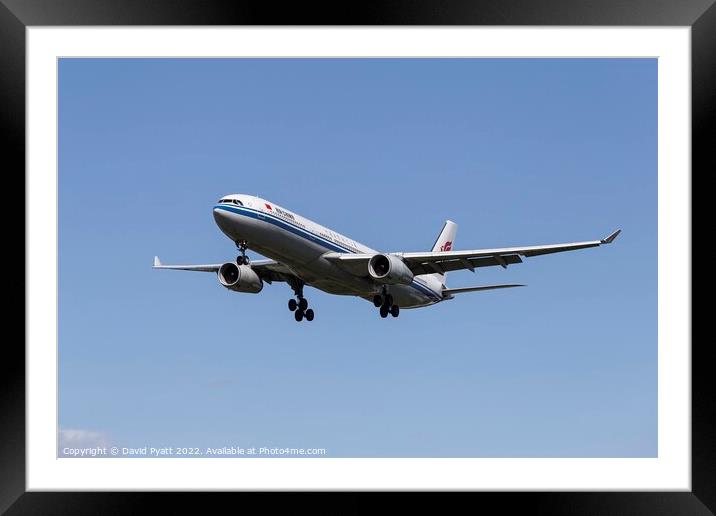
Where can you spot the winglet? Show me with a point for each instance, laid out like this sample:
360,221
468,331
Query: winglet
611,237
157,263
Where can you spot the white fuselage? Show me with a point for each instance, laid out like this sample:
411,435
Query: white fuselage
300,244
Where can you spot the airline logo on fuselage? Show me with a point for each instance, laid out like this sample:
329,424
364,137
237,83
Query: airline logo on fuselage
447,246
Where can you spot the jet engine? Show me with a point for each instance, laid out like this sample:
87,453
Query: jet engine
239,278
389,269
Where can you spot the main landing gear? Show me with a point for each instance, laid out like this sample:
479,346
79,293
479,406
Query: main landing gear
242,259
299,306
384,301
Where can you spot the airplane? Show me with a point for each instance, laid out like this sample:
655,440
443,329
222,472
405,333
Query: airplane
302,252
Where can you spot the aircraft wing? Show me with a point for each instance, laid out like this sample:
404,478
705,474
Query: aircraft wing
268,270
445,261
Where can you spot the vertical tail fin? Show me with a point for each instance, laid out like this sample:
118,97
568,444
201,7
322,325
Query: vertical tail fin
444,242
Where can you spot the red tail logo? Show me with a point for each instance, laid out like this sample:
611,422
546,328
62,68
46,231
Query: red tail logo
268,206
447,246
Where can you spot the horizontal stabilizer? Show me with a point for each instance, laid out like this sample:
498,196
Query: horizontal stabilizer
460,290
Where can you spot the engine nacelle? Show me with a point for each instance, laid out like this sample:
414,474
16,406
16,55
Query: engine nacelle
389,269
240,278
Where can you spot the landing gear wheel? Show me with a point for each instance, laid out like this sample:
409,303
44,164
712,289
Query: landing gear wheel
299,305
242,259
309,314
394,310
377,301
384,311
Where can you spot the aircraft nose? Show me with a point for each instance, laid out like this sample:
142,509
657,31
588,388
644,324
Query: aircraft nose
223,219
220,215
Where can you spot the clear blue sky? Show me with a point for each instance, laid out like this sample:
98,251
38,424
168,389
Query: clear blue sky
516,151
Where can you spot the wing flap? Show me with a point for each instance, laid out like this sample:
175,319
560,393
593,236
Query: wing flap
447,264
270,270
559,249
461,290
214,267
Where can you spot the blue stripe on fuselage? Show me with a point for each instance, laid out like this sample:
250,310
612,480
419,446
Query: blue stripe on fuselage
296,230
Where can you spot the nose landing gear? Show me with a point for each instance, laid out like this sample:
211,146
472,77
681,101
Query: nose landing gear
242,259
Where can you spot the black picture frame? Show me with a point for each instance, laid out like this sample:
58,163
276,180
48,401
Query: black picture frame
16,15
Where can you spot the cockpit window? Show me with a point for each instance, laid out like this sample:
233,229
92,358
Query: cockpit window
230,201
236,201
